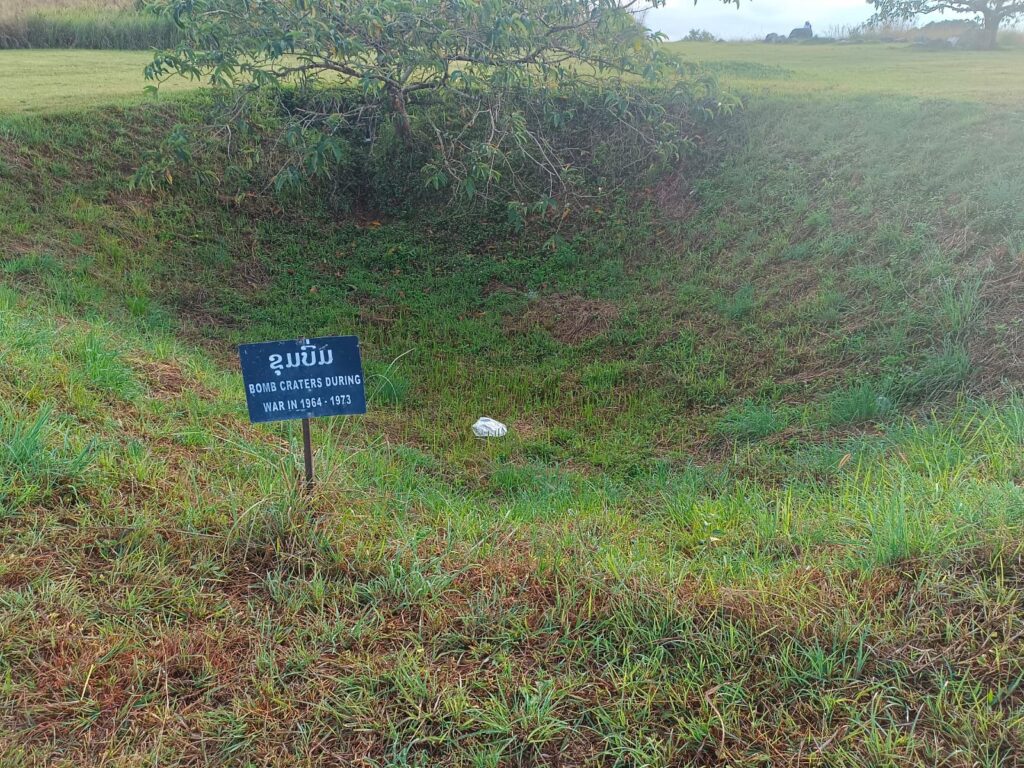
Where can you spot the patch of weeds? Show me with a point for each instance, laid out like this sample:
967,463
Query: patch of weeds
893,239
875,280
693,372
838,245
739,305
857,404
542,452
896,531
8,298
1012,418
33,264
942,373
754,421
774,524
138,306
38,460
405,582
413,460
601,375
708,387
385,385
104,370
828,306
801,251
691,293
529,480
960,305
819,219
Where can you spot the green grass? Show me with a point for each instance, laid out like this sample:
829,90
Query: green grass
30,82
842,71
761,502
40,81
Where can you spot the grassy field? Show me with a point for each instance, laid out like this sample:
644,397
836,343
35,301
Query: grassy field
59,81
843,71
29,80
760,505
11,8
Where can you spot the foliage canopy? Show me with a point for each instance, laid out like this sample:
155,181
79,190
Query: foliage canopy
522,101
992,12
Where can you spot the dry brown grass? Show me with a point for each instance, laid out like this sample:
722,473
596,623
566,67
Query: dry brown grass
10,9
570,319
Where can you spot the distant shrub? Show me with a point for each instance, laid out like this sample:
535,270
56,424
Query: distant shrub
945,29
700,36
1012,38
876,32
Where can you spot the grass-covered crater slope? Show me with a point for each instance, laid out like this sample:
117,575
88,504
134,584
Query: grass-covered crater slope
760,500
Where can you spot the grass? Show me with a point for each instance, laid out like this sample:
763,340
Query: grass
28,84
118,30
9,9
760,503
88,24
840,71
393,617
58,80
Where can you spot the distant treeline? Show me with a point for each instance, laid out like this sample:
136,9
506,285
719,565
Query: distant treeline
78,28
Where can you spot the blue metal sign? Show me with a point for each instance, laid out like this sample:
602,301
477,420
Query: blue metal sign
303,378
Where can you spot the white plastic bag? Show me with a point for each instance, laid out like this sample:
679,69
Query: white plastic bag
487,427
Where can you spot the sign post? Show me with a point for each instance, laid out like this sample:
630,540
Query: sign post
303,379
307,454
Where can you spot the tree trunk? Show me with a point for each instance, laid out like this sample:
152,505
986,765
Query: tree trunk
990,32
402,124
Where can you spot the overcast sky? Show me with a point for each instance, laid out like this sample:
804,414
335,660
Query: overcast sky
756,18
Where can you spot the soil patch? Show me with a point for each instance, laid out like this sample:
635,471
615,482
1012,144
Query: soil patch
569,319
497,287
166,379
251,275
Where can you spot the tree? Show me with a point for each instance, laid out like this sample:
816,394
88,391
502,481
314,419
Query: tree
487,84
992,13
700,36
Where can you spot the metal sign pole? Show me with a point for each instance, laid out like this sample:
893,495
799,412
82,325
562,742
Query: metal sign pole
307,448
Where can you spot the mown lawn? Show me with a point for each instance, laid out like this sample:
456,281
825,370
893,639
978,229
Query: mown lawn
58,80
842,71
41,81
761,502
